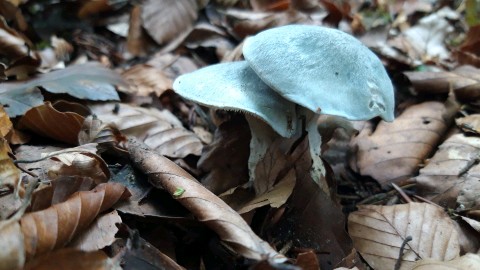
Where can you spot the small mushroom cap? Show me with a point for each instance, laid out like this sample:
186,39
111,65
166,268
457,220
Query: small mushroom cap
235,87
322,69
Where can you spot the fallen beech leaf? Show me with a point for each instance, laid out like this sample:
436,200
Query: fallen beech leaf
87,81
452,171
166,19
204,205
466,262
12,250
55,226
137,39
378,232
12,44
471,43
44,120
393,151
9,174
464,81
100,233
140,254
58,191
472,222
5,123
311,219
26,154
95,131
226,173
145,79
91,7
69,258
469,123
9,204
160,130
308,261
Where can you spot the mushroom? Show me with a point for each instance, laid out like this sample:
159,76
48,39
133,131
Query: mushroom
293,73
322,70
235,87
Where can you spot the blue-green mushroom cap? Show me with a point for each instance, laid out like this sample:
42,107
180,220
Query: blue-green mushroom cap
322,69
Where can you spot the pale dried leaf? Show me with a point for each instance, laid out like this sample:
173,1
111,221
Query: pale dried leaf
475,224
99,234
466,262
160,130
379,231
469,123
394,151
9,174
12,250
145,80
452,171
68,258
166,19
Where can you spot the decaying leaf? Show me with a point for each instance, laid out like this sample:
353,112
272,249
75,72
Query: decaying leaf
469,123
48,121
165,20
464,81
12,249
145,80
160,130
204,205
226,173
69,258
99,234
9,174
451,172
5,123
87,81
394,151
104,134
55,226
466,262
378,233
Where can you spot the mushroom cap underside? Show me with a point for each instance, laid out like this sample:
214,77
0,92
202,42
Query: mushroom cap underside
235,87
322,69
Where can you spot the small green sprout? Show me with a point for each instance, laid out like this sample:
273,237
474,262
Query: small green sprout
178,192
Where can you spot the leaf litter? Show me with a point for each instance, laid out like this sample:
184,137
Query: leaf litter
409,189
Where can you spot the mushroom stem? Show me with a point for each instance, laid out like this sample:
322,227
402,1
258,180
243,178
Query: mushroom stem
262,137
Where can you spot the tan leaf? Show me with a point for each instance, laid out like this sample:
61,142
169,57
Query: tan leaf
68,258
9,204
223,173
469,123
204,205
466,262
5,123
160,130
379,231
12,44
9,174
104,134
393,151
137,39
145,80
45,119
166,19
12,250
100,233
452,170
55,226
464,81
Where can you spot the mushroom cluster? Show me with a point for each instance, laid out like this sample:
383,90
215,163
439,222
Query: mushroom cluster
291,75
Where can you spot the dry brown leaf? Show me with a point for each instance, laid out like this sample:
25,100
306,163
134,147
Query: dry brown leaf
204,205
100,233
12,44
469,123
464,81
452,171
95,131
9,174
145,80
160,130
9,204
137,39
68,258
226,173
54,227
91,7
379,231
394,151
165,20
469,52
308,261
270,5
12,250
45,119
30,153
5,123
79,162
466,262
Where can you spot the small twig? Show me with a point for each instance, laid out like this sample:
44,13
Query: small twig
402,193
48,156
400,254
